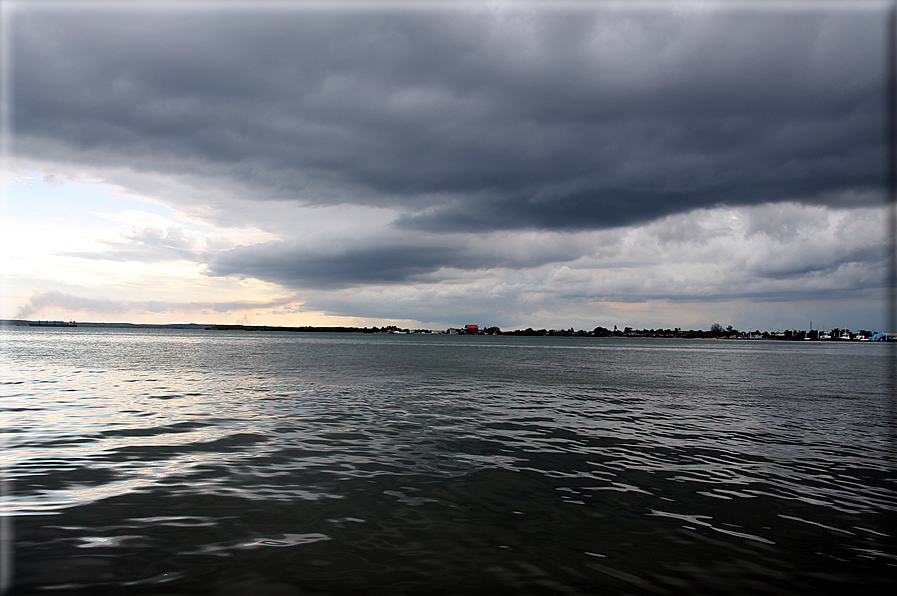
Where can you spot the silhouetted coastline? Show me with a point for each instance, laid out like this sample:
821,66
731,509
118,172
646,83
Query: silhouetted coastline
715,332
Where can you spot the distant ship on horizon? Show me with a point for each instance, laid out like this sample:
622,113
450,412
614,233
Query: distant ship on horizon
53,324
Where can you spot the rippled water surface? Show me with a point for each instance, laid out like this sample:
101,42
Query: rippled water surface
200,462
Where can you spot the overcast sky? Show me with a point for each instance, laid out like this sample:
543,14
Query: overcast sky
501,163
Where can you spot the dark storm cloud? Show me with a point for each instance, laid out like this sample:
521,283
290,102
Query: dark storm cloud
280,263
383,261
485,120
607,207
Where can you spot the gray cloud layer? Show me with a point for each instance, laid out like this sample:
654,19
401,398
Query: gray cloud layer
390,260
615,118
464,123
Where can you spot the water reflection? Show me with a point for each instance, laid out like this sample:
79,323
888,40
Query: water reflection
514,465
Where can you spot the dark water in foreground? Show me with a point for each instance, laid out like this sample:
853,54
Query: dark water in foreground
191,462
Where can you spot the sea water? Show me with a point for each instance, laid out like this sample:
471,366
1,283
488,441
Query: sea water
233,462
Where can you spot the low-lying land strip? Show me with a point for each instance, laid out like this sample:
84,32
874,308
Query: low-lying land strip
716,331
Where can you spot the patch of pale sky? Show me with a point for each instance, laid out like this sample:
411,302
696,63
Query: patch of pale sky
49,218
105,289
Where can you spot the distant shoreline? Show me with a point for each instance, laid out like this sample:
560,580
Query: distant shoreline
729,333
306,328
27,323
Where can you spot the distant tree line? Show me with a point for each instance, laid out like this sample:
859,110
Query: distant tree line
716,331
604,332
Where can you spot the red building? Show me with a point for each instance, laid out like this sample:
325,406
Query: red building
471,329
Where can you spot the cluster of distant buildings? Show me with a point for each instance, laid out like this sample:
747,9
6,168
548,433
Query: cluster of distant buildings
815,335
466,330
